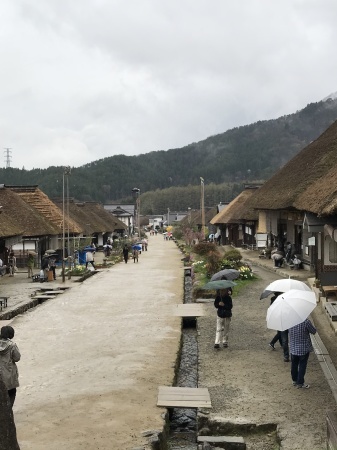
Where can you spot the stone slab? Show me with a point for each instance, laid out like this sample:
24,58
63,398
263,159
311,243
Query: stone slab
183,397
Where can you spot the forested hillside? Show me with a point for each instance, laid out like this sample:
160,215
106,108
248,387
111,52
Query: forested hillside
243,154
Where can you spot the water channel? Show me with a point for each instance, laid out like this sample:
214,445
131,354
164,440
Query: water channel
183,421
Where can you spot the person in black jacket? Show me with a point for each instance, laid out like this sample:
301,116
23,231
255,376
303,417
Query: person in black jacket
223,303
281,336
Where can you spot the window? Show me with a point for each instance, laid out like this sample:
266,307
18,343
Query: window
332,251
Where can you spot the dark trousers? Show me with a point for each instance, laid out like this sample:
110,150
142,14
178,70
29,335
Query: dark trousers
285,343
282,337
299,367
12,395
276,338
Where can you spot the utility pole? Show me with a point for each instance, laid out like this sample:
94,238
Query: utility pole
202,203
8,156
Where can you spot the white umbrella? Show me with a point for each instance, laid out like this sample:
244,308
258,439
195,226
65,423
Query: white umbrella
290,309
284,285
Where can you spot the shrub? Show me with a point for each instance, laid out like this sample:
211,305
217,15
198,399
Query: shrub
213,262
233,255
203,248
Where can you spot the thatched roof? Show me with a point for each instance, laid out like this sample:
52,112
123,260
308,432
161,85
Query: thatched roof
239,210
308,182
35,198
194,217
20,218
92,217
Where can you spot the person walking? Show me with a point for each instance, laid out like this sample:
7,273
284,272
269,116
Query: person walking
126,253
223,303
9,356
12,264
281,336
135,254
30,265
52,266
300,348
89,258
45,266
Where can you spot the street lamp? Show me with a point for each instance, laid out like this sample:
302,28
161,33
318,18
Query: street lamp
189,216
66,173
136,193
202,204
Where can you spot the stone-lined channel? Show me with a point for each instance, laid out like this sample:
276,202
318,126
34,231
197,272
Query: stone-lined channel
183,421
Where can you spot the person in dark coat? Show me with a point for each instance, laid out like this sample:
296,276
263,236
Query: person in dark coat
125,253
281,336
223,303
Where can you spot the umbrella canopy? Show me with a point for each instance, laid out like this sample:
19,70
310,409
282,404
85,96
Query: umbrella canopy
228,274
290,309
219,284
284,285
31,252
136,247
50,251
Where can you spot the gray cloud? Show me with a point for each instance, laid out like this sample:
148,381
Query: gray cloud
83,80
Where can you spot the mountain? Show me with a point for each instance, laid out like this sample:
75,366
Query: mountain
242,154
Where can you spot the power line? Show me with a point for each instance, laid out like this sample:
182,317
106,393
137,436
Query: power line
8,156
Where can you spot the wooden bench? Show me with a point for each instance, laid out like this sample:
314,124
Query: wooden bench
3,302
330,291
331,309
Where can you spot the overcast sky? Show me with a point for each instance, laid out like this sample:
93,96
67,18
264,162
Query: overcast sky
82,80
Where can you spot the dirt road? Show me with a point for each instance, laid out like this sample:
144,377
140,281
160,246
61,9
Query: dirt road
93,358
251,386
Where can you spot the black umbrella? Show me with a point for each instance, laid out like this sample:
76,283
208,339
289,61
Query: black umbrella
226,274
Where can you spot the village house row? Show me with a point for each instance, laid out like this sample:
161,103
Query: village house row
31,221
297,205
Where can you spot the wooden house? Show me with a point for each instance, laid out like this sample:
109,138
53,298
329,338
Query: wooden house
237,221
299,205
95,222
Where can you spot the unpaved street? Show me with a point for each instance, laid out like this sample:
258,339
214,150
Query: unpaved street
251,386
93,358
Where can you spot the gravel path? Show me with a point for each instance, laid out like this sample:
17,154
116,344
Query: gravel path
250,385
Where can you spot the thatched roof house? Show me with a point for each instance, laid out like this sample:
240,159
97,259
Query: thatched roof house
193,218
237,221
50,216
238,210
19,217
91,217
308,182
